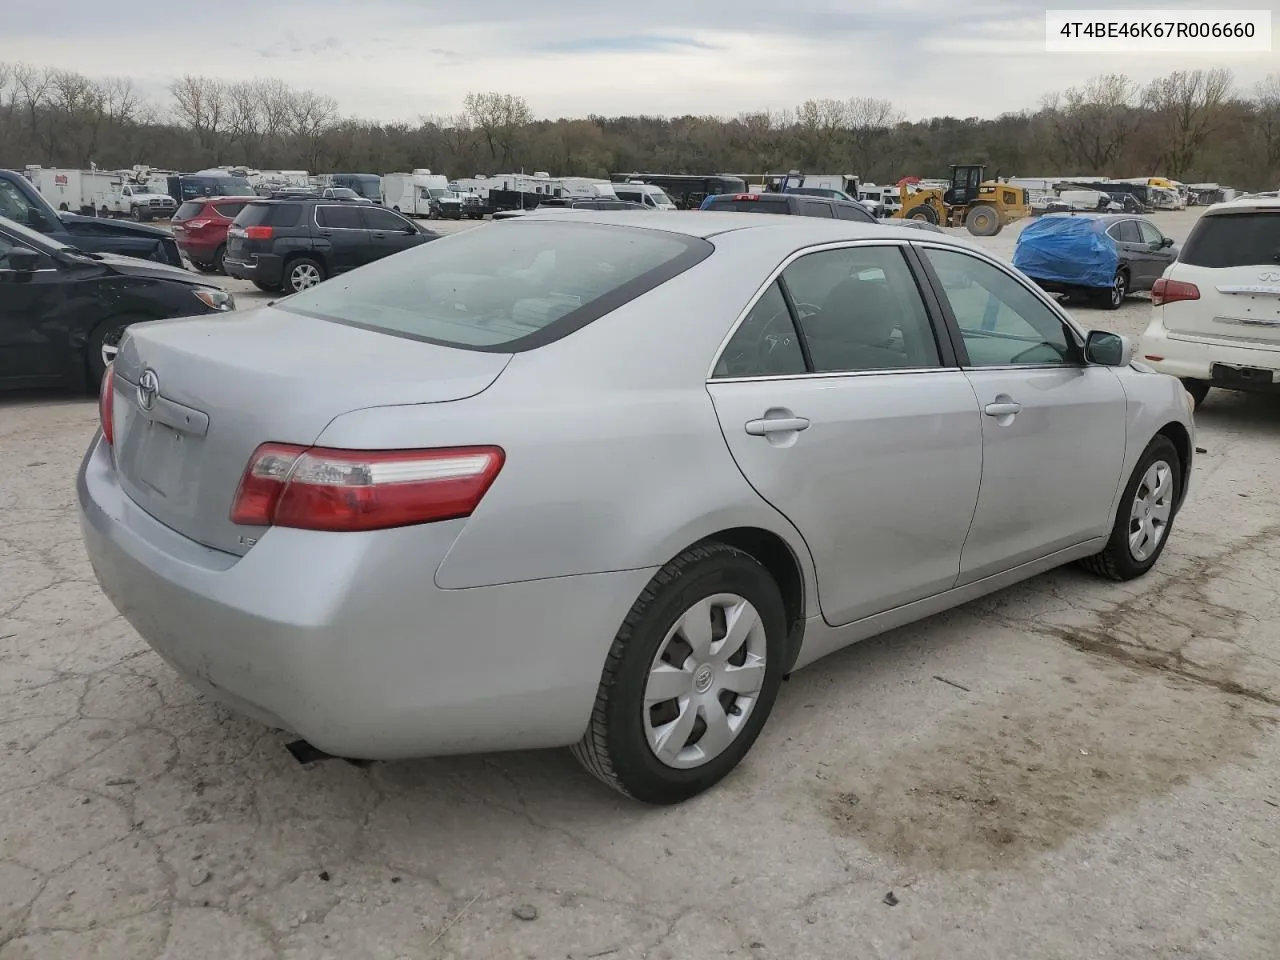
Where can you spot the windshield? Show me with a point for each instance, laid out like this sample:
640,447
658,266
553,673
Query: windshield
368,186
232,187
437,193
345,193
505,289
32,213
660,198
1245,239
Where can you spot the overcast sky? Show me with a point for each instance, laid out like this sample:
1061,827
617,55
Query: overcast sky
400,59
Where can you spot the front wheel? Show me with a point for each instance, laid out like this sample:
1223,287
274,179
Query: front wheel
690,678
102,346
1145,517
1113,297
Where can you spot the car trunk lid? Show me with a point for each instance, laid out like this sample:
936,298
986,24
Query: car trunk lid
216,388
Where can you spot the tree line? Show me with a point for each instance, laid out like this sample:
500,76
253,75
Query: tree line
1192,125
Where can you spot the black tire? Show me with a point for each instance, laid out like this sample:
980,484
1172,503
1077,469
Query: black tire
299,268
1113,297
1117,560
107,332
923,212
64,208
982,221
267,287
104,212
1199,389
203,267
135,214
219,256
614,748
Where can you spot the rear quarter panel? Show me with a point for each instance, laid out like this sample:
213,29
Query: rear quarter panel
615,459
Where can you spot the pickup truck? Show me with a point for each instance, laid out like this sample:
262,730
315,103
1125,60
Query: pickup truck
21,202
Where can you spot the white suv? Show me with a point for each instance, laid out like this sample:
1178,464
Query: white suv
1215,319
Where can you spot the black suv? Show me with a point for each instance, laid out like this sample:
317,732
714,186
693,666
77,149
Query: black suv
295,244
796,204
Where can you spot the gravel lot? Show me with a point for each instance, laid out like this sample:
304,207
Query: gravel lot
1067,769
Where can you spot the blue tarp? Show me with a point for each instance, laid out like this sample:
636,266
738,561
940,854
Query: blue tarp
1073,250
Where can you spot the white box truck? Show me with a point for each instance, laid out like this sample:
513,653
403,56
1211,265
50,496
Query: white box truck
103,193
421,193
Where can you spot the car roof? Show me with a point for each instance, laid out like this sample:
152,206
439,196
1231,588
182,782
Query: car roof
706,224
1107,218
1244,205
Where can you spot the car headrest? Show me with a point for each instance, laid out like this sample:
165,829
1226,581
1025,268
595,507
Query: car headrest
857,311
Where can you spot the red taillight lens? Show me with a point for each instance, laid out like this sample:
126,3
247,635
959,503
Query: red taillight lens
317,488
107,405
746,196
1171,291
258,233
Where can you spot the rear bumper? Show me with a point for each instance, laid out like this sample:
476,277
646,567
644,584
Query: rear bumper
264,268
345,640
1193,358
198,252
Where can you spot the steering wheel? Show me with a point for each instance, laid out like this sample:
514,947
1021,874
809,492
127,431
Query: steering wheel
776,336
1017,357
807,309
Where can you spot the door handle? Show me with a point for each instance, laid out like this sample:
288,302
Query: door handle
766,426
1005,408
378,236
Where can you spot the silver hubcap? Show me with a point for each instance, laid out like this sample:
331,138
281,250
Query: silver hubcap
304,275
1152,508
1117,289
705,681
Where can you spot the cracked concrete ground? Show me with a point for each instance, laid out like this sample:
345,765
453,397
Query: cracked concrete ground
1068,769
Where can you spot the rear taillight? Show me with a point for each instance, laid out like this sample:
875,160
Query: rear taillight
1171,291
258,233
317,488
107,405
746,196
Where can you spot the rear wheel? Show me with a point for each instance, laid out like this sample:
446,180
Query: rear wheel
1145,516
690,678
1199,389
219,256
302,274
267,287
982,222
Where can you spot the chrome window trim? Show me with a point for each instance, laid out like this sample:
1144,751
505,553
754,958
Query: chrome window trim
773,277
1012,273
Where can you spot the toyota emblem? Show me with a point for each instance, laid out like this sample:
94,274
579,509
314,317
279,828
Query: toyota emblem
148,389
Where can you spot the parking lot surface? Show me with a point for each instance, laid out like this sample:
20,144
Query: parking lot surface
1067,769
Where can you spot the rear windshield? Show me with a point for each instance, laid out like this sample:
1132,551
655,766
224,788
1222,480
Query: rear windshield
1234,240
751,206
269,215
504,288
189,210
229,210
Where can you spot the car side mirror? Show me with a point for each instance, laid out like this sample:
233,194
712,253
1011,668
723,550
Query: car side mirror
1108,349
1166,242
23,260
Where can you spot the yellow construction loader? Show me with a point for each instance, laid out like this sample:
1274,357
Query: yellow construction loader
983,206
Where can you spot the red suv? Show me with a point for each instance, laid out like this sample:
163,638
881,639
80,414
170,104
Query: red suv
200,227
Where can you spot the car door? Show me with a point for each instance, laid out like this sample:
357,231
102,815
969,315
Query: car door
846,413
343,231
33,322
1053,427
1133,253
388,232
1160,249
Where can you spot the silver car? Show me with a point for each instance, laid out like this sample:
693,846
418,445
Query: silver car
602,480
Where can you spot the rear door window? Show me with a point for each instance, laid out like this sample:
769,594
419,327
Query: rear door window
339,218
229,210
269,215
815,208
1126,231
1234,240
517,288
850,211
375,218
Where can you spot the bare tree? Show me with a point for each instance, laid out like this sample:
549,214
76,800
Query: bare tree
499,117
821,126
1093,122
1190,104
1267,107
201,103
869,122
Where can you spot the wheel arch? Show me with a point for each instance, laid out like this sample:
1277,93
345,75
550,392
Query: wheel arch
778,558
1180,437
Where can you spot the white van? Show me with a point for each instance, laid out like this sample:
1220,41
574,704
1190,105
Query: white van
645,194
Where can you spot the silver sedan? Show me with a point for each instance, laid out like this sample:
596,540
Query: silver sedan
601,480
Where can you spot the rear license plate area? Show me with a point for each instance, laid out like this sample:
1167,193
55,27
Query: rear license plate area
1228,375
159,457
